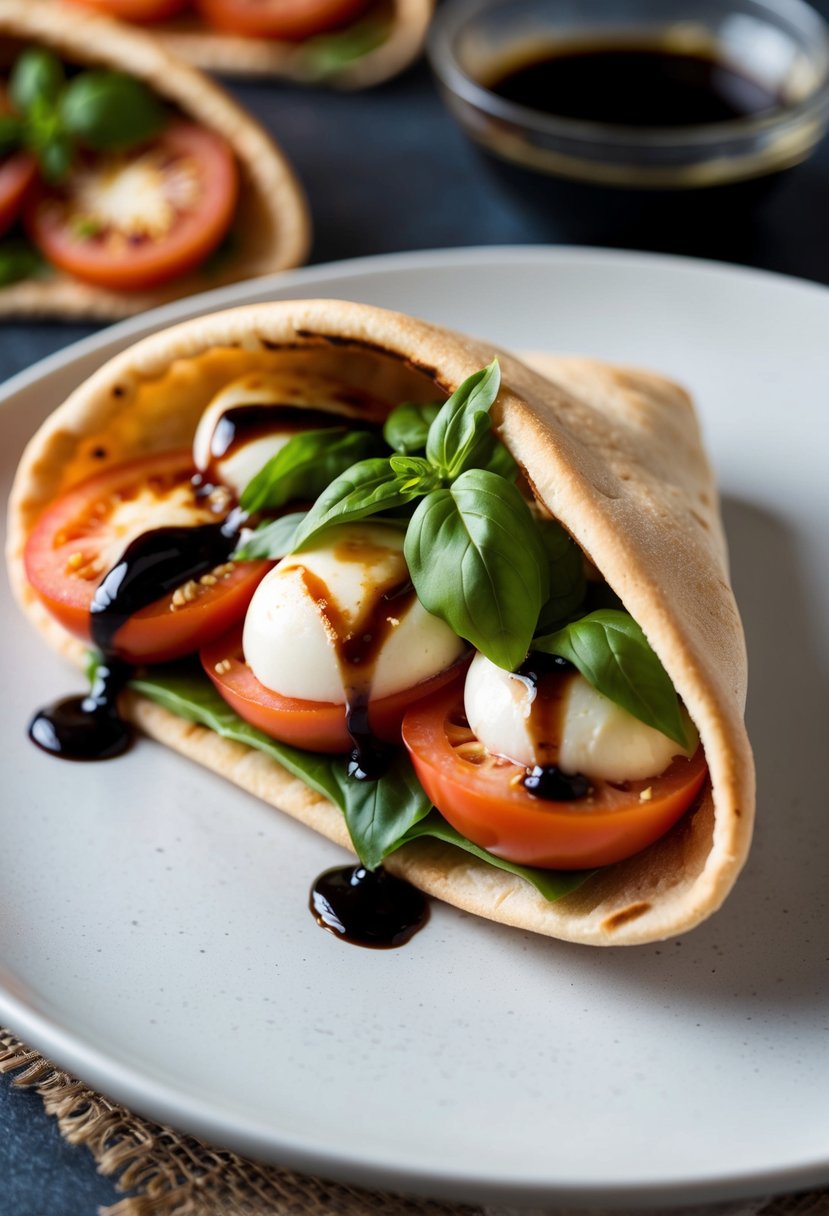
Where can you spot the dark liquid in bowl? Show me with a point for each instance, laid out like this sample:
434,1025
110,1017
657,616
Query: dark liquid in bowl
629,86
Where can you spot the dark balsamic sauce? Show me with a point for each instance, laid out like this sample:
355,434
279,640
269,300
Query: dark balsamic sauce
156,563
245,423
633,86
550,674
90,727
368,907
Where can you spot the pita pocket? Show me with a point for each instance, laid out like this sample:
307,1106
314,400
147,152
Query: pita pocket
614,454
378,45
271,227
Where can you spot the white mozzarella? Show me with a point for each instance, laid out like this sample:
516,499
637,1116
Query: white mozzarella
242,463
291,629
146,511
598,738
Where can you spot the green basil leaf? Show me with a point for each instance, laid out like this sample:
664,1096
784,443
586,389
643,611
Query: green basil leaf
306,465
380,813
327,54
54,156
478,563
567,582
552,884
497,459
366,489
110,110
37,77
18,260
269,541
462,422
415,471
613,654
407,427
399,805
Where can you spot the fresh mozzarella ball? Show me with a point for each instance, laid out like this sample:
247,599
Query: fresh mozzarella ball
597,737
243,461
314,600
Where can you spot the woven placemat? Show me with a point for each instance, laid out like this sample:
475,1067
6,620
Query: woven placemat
171,1174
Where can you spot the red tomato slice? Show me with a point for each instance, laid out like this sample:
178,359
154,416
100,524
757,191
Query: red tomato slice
136,10
289,19
481,795
317,726
64,564
138,219
17,175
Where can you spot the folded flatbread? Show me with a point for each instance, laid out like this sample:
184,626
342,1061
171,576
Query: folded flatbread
400,27
615,455
271,227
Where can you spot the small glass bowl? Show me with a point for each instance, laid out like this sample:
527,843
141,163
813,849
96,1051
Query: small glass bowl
782,44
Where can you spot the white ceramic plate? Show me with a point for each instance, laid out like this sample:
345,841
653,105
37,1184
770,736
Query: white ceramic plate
154,934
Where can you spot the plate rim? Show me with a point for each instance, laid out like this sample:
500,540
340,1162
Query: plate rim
160,1100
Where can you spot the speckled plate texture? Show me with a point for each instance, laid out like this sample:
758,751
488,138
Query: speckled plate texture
154,932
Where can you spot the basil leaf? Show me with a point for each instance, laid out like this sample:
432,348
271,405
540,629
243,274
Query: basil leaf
380,813
552,884
415,471
462,422
478,563
497,459
18,260
37,77
366,489
54,155
567,582
613,654
306,465
270,541
327,54
185,691
110,110
407,427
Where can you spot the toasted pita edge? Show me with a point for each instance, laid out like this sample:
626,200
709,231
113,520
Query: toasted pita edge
271,228
615,454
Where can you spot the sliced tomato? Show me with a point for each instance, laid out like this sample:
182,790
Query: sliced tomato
289,19
141,218
483,797
317,726
69,551
17,176
140,11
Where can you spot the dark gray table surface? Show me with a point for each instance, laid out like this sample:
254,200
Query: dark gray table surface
388,170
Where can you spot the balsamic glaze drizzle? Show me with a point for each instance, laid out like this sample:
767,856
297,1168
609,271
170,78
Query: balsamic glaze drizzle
547,781
368,907
155,563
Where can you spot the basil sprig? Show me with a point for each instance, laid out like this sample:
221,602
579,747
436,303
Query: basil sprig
98,109
613,654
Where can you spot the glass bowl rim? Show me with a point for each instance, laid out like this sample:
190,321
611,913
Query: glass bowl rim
453,16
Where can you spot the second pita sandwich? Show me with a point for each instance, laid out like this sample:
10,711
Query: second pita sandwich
152,185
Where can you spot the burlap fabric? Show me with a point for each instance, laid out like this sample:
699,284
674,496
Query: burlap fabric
170,1174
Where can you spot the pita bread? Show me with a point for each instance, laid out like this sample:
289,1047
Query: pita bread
616,456
271,229
405,23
